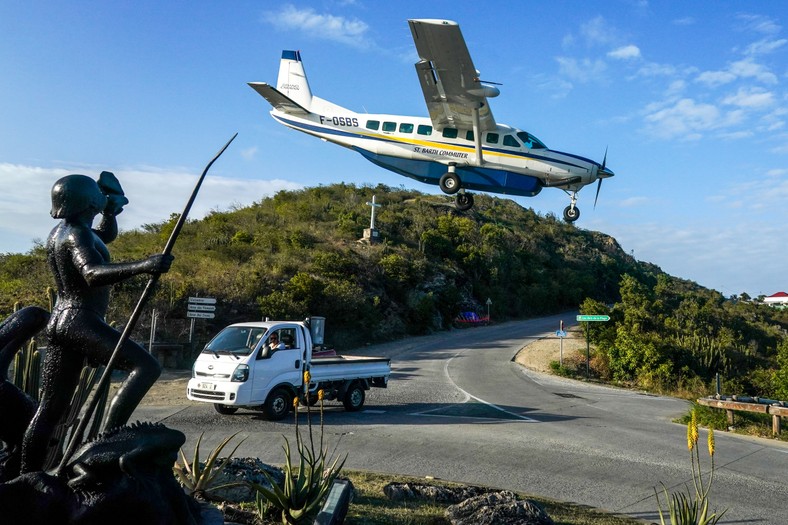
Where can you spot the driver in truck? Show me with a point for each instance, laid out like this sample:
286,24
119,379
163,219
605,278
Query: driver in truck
273,344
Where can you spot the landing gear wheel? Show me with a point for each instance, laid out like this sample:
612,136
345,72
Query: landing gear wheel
571,214
464,201
354,398
449,183
225,410
277,405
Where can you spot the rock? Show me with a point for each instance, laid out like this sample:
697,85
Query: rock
403,491
243,470
497,508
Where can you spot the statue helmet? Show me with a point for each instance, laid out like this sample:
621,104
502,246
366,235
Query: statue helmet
75,194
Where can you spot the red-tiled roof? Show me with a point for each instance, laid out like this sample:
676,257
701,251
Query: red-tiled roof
779,294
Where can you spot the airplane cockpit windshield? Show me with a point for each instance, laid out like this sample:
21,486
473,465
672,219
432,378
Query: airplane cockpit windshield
238,340
530,141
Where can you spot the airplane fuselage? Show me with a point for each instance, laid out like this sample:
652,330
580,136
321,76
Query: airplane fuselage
513,161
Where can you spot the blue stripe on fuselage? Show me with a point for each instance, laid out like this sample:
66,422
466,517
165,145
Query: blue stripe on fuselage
314,128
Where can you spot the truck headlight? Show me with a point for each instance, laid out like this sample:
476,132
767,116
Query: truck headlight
240,374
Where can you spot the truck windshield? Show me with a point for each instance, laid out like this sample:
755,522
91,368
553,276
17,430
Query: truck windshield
238,340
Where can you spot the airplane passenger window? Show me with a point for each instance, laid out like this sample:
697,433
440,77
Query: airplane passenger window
373,124
508,140
389,126
450,133
424,130
530,141
492,138
469,135
406,128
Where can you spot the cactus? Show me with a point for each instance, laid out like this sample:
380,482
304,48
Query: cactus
27,370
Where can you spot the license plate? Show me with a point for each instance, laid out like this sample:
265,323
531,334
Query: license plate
206,386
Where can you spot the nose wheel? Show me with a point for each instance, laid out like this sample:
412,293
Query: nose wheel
463,201
572,212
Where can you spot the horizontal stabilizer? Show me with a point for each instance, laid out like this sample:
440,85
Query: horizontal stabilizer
277,99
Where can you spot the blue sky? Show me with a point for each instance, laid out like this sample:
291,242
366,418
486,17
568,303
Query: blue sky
689,98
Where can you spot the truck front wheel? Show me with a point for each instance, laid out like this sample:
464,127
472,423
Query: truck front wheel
278,404
225,410
354,398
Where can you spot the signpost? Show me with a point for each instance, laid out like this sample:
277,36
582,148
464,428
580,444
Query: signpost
489,302
590,319
199,308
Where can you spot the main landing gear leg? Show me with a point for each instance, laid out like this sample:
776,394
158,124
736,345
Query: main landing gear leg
572,212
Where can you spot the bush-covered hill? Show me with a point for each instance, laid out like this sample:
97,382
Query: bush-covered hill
298,253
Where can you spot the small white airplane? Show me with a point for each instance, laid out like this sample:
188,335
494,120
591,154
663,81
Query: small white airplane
459,147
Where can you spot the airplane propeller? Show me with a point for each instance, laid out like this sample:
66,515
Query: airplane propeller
599,184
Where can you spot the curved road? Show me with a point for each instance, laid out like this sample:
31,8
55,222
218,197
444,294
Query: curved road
458,408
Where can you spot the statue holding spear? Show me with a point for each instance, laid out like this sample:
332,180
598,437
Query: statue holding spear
80,262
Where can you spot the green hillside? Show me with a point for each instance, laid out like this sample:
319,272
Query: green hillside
298,253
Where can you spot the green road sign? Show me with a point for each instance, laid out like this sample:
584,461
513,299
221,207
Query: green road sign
593,318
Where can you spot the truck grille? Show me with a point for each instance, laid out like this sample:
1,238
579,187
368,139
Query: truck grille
210,395
212,376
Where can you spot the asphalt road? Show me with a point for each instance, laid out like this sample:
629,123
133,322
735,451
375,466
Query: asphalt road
458,408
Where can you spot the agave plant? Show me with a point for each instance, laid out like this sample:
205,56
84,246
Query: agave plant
199,479
305,487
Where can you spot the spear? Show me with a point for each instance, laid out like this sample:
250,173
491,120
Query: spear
76,438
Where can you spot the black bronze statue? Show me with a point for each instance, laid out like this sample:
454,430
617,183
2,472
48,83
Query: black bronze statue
125,474
80,262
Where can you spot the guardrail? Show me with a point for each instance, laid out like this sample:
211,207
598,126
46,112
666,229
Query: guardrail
777,409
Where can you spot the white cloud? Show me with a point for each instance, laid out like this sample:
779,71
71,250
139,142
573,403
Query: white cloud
763,47
653,69
596,31
715,78
752,98
583,70
746,68
759,24
323,26
153,193
686,21
685,119
625,53
249,153
632,202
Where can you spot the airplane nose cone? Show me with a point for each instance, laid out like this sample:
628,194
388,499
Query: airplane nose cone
605,172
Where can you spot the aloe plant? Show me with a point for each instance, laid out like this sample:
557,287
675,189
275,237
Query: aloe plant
683,509
198,478
305,487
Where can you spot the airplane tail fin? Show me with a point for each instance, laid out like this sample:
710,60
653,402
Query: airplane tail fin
292,80
291,94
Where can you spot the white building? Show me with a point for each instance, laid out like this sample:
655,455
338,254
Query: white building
778,300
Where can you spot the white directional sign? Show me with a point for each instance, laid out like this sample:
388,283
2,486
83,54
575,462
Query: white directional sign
201,307
200,315
202,300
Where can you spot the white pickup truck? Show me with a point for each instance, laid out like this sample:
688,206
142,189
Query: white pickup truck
240,368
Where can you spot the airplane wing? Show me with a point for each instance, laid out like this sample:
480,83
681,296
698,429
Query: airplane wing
448,77
278,99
